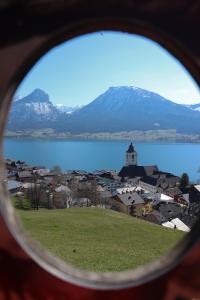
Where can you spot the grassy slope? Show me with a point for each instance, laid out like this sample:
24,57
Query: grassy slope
98,240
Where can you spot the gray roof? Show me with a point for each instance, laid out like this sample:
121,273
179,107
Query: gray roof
24,174
132,171
160,179
131,198
170,210
159,216
150,180
155,217
13,184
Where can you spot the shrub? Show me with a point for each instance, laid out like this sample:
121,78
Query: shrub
21,203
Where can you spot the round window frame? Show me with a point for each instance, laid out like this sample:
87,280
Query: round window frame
58,268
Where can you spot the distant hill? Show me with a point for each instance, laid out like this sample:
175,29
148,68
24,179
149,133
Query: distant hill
123,108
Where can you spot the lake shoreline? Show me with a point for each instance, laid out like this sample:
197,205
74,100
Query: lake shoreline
89,155
166,136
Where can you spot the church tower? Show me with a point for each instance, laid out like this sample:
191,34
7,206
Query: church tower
131,156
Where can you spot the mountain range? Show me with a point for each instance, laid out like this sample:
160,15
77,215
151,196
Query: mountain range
122,108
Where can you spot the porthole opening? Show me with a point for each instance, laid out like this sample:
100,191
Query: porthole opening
96,149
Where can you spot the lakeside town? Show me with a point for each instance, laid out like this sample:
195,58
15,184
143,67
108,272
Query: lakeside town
143,192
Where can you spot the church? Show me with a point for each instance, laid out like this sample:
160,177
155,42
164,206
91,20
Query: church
131,168
148,176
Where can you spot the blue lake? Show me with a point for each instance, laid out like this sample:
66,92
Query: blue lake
91,155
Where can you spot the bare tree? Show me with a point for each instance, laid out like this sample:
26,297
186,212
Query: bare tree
56,170
89,190
35,192
184,181
94,193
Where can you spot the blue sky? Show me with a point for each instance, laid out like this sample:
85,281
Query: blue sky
76,72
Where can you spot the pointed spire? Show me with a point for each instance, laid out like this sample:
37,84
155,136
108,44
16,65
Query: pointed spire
131,148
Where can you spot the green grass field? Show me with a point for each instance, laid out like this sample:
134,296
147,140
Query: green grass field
97,239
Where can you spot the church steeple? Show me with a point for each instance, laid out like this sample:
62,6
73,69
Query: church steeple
130,149
131,156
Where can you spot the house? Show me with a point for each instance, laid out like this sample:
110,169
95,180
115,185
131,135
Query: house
13,186
81,202
106,173
128,203
155,217
194,193
158,182
170,210
173,192
161,198
11,174
110,184
149,183
105,198
168,180
62,197
123,190
25,176
191,214
42,172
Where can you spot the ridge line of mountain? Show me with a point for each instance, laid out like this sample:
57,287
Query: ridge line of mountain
118,109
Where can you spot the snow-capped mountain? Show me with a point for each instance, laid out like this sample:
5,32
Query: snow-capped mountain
127,108
123,108
67,109
32,111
